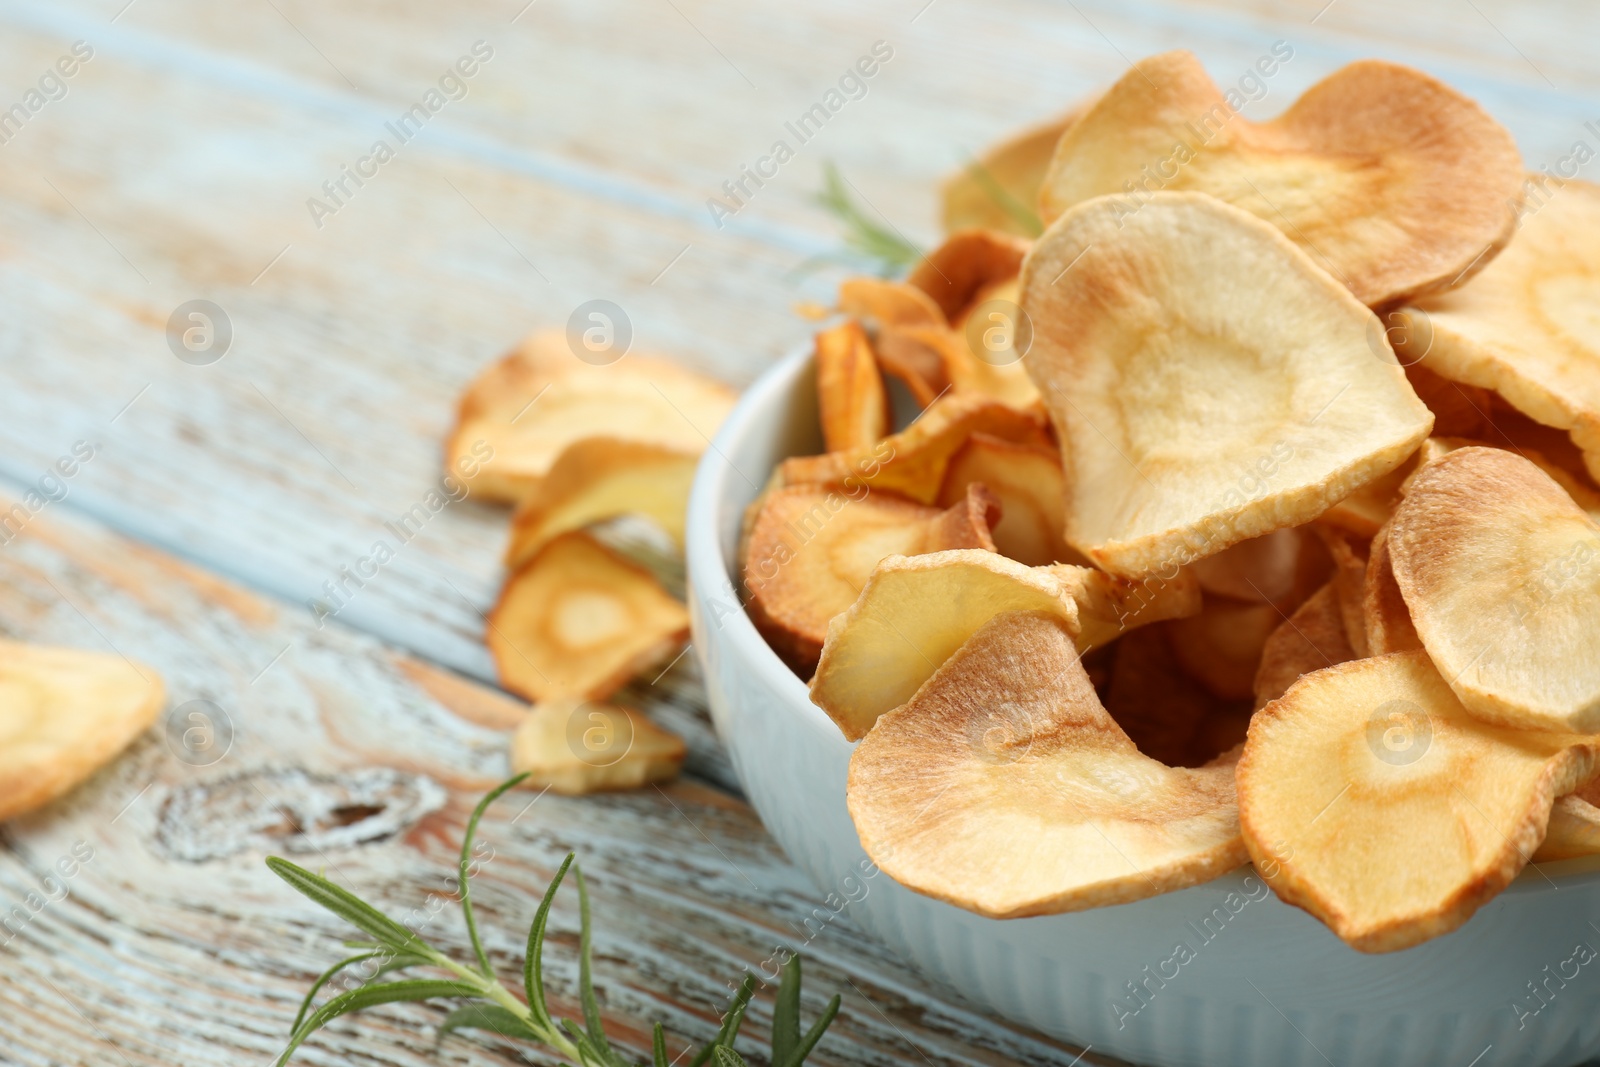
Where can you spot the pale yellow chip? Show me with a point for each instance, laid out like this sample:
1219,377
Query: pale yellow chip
1005,788
851,401
578,746
601,478
65,713
577,620
915,612
810,550
1501,572
522,412
1391,181
1209,383
1527,326
1000,189
1281,568
1372,799
1573,830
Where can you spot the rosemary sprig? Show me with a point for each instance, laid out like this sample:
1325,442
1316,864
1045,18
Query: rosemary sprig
882,246
494,1008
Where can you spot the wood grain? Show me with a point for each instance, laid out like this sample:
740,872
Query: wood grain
174,944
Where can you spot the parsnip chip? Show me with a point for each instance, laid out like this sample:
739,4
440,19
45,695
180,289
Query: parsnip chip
850,396
1501,572
1573,830
1281,568
520,414
1208,381
601,478
1391,181
576,620
1026,479
64,713
810,551
1004,787
1526,327
881,304
1166,712
968,264
1383,610
1312,638
1000,189
1221,645
1372,799
913,462
1349,583
1369,507
914,612
577,746
1458,410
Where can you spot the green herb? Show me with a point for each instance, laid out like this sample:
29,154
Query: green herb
493,1007
1020,213
880,245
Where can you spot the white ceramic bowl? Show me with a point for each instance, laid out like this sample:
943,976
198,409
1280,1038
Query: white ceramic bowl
1259,983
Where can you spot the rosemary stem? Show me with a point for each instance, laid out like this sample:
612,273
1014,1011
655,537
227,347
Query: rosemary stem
498,993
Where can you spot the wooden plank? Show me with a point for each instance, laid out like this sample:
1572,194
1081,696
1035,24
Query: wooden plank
171,943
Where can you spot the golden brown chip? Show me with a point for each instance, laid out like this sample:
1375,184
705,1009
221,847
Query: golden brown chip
578,746
521,413
1000,189
914,612
850,396
576,620
913,462
810,551
1312,638
1391,181
1221,645
600,478
1525,327
1003,787
1501,572
1209,383
1026,479
967,264
65,713
1383,609
1373,800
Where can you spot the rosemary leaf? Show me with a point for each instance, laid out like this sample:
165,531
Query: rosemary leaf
463,878
726,1057
730,1022
881,245
370,996
658,1048
786,1013
533,965
490,1017
391,962
592,1023
813,1035
351,908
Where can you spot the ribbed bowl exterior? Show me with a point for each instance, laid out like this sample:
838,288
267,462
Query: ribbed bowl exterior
1221,975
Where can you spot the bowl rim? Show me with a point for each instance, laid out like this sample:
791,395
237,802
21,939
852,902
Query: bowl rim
703,535
703,555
